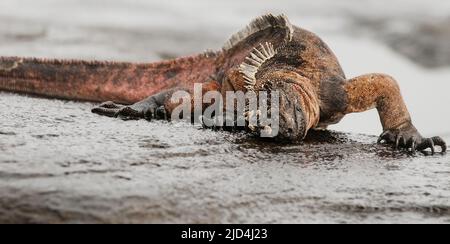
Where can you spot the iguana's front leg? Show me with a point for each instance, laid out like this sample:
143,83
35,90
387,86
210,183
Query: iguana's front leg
149,108
383,93
158,106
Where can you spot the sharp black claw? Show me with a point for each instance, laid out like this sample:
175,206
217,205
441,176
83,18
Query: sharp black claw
424,145
431,145
160,113
118,113
123,113
397,142
440,142
404,141
95,110
109,112
148,115
110,104
413,146
382,137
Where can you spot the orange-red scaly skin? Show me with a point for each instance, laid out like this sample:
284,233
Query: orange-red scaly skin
101,81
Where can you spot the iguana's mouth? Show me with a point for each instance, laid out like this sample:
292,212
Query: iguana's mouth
292,123
283,118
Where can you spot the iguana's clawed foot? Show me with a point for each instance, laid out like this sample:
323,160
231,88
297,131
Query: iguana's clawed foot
136,111
409,138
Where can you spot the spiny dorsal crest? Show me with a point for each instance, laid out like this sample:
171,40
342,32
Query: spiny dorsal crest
262,23
254,61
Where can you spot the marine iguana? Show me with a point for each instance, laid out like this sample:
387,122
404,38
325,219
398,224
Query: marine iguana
269,54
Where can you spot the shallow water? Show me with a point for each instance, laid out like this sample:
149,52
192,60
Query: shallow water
60,163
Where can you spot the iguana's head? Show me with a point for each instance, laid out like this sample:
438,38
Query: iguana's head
292,117
293,100
287,118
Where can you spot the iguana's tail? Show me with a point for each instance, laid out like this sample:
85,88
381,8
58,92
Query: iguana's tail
100,81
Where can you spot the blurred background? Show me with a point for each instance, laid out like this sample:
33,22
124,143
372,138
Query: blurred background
408,39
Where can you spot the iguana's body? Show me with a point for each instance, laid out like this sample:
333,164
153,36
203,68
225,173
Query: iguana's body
315,91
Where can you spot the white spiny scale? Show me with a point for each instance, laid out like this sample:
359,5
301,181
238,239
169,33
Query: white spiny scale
258,53
264,50
255,57
254,61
